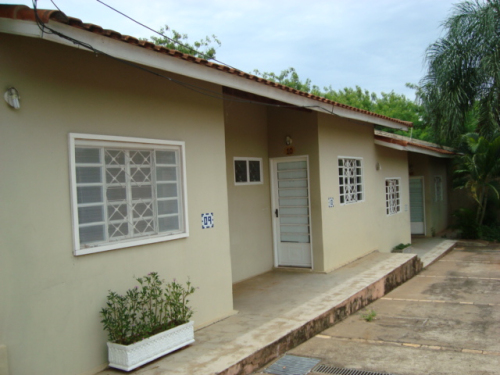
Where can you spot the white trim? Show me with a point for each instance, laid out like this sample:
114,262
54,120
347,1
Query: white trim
125,142
248,182
157,60
363,192
274,204
414,149
398,179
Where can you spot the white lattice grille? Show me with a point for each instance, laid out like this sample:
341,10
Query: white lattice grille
350,180
392,197
127,193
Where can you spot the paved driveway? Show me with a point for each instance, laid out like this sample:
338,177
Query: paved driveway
444,321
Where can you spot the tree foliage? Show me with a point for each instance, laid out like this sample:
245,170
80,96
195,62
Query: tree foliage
478,170
388,104
461,90
204,48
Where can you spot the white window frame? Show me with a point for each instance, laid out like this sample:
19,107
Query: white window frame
342,195
248,182
389,198
127,143
438,188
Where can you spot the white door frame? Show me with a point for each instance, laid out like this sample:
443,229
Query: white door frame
274,204
423,204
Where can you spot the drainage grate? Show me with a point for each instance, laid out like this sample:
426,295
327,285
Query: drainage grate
324,369
292,365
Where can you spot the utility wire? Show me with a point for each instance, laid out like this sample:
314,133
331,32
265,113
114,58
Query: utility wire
163,35
207,92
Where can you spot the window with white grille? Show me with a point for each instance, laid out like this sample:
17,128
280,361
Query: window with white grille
247,171
392,196
438,188
126,192
350,180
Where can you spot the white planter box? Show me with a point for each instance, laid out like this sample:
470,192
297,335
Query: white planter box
129,357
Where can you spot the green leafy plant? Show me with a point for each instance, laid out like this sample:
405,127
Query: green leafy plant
145,310
399,248
369,315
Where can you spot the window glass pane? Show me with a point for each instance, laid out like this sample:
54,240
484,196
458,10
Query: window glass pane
166,174
87,155
89,194
292,165
118,230
143,226
167,190
168,207
168,223
114,157
142,192
240,170
115,176
140,174
292,183
116,194
117,212
292,192
140,157
88,174
300,238
165,157
254,169
93,233
142,210
292,174
90,214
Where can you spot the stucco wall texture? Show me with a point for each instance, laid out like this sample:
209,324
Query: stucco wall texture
50,299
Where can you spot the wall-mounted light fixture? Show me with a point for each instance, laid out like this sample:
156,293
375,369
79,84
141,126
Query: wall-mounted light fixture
378,167
288,140
12,97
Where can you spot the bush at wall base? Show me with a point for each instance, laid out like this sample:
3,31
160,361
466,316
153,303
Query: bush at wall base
129,357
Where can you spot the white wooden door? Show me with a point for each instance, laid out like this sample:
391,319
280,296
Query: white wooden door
417,208
291,213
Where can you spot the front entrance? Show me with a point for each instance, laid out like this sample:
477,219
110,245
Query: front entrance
417,209
291,212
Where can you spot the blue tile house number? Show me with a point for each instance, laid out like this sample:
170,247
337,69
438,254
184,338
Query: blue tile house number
207,220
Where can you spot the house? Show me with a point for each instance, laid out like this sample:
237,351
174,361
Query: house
125,158
430,182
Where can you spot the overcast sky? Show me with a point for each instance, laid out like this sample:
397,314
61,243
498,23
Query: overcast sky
378,45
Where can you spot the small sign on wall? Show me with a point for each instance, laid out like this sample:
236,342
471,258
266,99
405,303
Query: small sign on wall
330,202
289,150
207,220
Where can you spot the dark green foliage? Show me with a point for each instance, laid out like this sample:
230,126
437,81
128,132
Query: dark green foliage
461,90
146,310
464,221
203,48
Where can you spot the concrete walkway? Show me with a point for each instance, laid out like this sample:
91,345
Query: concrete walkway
281,309
445,321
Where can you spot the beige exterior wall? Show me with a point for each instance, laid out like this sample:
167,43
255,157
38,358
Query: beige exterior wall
250,224
50,299
302,127
353,230
436,212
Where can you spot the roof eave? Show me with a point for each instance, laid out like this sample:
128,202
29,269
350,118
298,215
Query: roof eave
156,60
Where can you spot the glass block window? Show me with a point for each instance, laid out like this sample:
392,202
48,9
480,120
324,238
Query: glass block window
438,188
392,196
247,171
126,193
350,180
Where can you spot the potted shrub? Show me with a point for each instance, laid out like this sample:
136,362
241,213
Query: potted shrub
147,322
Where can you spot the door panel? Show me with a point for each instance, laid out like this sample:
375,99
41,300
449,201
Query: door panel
417,209
291,212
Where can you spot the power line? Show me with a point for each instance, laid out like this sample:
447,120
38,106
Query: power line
163,35
203,91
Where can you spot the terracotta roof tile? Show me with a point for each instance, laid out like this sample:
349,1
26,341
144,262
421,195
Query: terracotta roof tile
22,12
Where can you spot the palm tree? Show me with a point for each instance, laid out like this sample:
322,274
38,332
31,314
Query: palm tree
461,91
478,170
